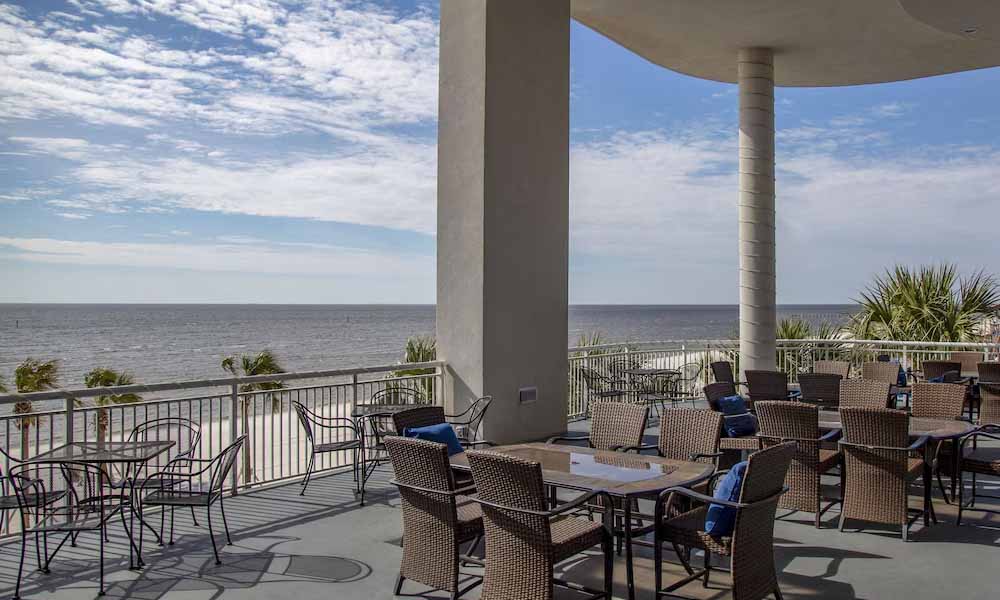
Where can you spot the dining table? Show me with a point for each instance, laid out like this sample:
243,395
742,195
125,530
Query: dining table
132,454
623,476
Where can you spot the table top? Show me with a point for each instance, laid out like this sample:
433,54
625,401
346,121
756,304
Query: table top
618,473
107,452
938,429
364,410
651,372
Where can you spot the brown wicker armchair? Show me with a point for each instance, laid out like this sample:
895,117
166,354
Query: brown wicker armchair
438,518
767,385
864,393
689,434
722,371
879,467
989,371
881,371
834,367
524,541
938,400
751,546
796,422
967,360
979,460
717,391
989,409
613,425
948,371
821,389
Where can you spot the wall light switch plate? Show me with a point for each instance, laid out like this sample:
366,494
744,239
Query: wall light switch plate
527,394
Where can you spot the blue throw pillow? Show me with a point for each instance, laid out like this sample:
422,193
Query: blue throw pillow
739,425
938,379
441,433
733,405
720,520
901,378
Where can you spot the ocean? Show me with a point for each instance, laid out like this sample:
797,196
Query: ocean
175,342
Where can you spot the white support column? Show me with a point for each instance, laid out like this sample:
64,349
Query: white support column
758,313
503,210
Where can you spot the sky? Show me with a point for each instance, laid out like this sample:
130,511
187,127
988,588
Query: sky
284,152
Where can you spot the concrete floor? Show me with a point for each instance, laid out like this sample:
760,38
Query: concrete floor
324,546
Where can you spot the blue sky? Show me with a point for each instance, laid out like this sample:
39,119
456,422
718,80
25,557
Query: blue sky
210,151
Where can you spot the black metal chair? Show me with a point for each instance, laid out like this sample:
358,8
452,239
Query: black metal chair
311,422
182,484
92,503
602,387
467,422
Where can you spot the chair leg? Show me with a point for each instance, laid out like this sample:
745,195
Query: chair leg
777,594
20,566
171,543
211,535
305,480
38,552
657,564
708,568
399,584
225,523
100,552
609,568
163,518
194,518
961,497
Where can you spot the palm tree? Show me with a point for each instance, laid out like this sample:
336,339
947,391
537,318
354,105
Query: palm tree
419,349
32,375
101,377
928,304
264,362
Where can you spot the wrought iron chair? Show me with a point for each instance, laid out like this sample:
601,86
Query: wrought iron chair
524,541
92,503
821,389
467,422
601,387
311,423
182,484
751,545
798,422
879,467
438,515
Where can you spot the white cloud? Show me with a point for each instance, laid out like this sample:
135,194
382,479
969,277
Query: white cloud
249,258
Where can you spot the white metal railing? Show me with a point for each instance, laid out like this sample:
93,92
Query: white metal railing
792,356
276,447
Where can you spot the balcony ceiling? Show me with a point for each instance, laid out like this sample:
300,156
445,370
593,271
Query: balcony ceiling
816,42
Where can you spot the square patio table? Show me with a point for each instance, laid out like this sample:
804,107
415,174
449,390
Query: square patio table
103,453
620,475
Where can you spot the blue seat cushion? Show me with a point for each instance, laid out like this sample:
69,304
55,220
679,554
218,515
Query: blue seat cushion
733,405
739,425
720,520
441,433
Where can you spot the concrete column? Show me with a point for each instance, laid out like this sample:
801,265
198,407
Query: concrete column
758,314
503,210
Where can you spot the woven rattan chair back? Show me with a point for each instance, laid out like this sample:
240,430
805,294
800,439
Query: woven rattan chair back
717,391
518,545
767,385
967,360
722,371
875,478
947,369
795,422
419,416
820,388
686,432
989,372
834,367
864,393
617,425
989,409
754,575
881,371
938,400
430,519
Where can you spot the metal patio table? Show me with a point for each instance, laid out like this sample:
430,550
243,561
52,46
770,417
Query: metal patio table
131,454
362,412
643,378
620,475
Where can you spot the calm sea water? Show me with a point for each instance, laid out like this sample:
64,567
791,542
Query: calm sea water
172,342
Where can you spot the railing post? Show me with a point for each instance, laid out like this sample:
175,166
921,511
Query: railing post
354,390
69,423
234,399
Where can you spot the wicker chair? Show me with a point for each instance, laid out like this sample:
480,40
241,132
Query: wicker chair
524,541
989,410
751,546
689,434
438,516
782,422
879,468
822,389
989,371
722,371
881,371
979,460
948,371
613,425
834,367
423,416
864,393
731,448
968,361
768,385
938,400
717,391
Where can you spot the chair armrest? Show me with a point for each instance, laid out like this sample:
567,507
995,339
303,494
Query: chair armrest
416,488
698,455
669,493
576,503
914,446
831,435
468,444
568,438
